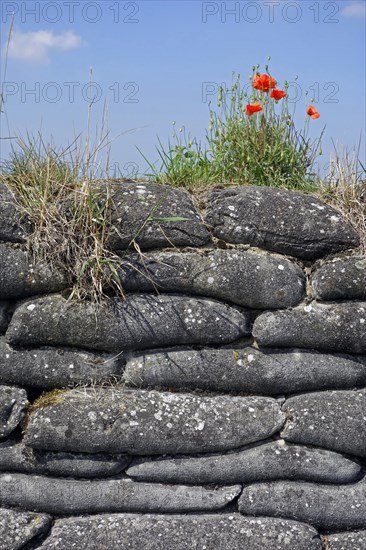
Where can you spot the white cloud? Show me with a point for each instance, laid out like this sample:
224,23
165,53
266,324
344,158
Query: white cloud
35,46
355,9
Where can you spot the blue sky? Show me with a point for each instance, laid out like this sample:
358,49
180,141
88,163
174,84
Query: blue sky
155,62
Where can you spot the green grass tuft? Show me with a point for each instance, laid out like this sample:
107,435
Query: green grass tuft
262,149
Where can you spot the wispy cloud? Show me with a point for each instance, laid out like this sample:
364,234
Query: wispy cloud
35,46
355,9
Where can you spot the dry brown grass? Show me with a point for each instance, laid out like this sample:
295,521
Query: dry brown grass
70,215
345,189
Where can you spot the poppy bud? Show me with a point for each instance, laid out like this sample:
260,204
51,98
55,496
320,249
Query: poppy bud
312,112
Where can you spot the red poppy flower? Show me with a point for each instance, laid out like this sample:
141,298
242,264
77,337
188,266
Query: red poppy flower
278,94
312,112
263,82
252,108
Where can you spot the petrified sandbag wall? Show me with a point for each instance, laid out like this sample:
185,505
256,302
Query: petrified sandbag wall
220,405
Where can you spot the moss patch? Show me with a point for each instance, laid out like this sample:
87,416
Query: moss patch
46,399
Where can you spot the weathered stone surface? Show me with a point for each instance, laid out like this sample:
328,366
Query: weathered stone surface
341,279
20,278
274,460
335,327
351,540
335,420
19,528
323,506
12,227
69,496
138,213
4,316
13,403
265,371
180,532
289,222
50,368
142,422
138,322
17,457
246,278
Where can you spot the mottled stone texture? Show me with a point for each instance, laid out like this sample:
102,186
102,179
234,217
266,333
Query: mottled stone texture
180,532
50,368
219,404
246,278
12,227
341,279
353,540
250,370
70,496
333,327
17,457
288,222
142,422
335,420
19,277
13,404
19,528
274,460
323,506
154,216
137,322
